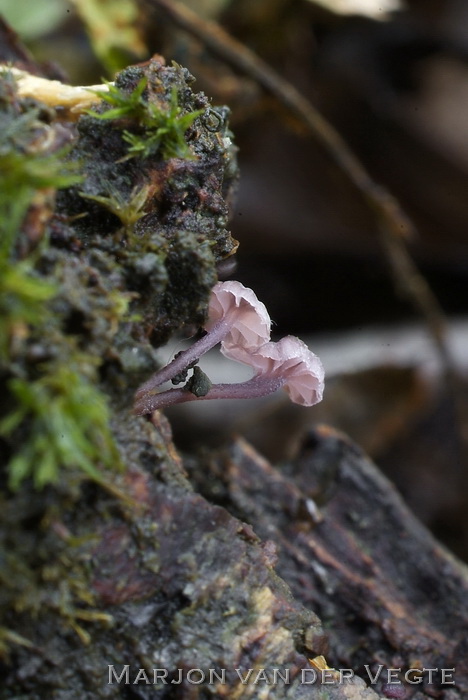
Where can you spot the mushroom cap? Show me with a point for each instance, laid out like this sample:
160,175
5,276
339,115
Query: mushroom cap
292,360
250,322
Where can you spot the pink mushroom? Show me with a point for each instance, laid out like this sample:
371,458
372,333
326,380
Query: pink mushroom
236,318
250,325
290,360
287,363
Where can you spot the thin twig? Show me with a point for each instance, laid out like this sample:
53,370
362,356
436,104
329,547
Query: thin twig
394,225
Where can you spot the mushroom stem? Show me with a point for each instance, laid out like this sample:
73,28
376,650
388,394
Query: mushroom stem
259,385
187,357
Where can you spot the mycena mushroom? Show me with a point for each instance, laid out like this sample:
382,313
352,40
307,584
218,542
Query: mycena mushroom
241,323
295,367
235,317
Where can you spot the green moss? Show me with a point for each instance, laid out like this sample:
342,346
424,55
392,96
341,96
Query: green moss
68,426
162,126
26,168
128,210
62,413
26,163
97,255
123,104
161,220
22,299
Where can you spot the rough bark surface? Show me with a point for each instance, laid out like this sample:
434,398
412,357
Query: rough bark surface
387,593
187,586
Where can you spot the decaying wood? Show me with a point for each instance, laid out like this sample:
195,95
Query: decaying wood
386,591
187,586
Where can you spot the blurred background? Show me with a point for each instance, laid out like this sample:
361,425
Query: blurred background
392,77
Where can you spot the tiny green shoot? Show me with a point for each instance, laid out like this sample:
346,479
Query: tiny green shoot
161,128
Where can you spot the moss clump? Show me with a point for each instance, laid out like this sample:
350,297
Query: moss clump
51,408
55,433
30,163
100,261
161,127
22,298
173,190
67,423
